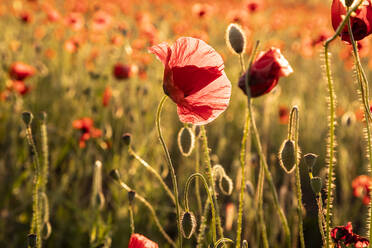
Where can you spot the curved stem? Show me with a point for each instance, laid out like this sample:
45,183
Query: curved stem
186,201
207,160
171,168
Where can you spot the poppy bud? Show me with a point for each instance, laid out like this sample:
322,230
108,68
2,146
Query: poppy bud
188,224
287,156
186,141
316,184
310,160
249,188
131,196
114,174
43,116
235,38
121,71
27,118
126,138
31,239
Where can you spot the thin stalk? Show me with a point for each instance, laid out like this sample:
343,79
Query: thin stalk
203,224
131,215
210,199
332,108
152,171
207,161
243,163
321,220
261,180
197,170
171,168
364,94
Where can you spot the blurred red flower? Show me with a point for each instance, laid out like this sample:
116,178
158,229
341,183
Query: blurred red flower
361,188
86,126
265,72
121,71
107,94
140,241
75,20
194,79
344,235
21,71
361,22
283,115
20,87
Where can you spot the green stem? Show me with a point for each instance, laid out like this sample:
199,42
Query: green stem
152,171
243,163
186,200
171,168
203,225
197,169
261,220
361,76
207,161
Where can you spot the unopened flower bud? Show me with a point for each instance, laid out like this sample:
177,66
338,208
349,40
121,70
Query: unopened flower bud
27,118
310,160
316,184
188,224
287,156
114,174
126,138
131,196
186,141
235,38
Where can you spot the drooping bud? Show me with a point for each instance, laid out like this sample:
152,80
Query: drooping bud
114,174
310,160
316,184
235,38
186,141
226,185
127,137
27,118
287,156
188,224
31,239
131,196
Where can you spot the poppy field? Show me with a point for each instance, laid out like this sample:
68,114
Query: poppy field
145,124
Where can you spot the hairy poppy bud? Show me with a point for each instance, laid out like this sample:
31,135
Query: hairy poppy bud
114,174
127,138
287,156
186,141
188,224
27,118
310,160
316,184
131,196
235,38
31,239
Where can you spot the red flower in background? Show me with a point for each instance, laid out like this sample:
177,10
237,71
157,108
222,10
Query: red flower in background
85,125
20,87
21,71
283,115
107,94
344,235
194,79
121,71
265,72
140,241
361,22
361,188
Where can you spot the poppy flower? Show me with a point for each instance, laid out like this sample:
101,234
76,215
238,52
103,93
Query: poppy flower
194,79
265,72
121,71
283,115
361,188
20,87
86,126
140,241
21,71
361,22
107,94
344,235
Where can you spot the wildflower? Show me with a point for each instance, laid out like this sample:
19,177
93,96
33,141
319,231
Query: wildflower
85,125
344,235
361,22
140,241
361,188
107,94
265,72
20,87
21,71
75,20
283,115
121,71
194,79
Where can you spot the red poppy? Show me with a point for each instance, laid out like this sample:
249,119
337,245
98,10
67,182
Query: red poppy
21,71
361,188
140,241
75,20
85,125
121,71
344,235
107,94
361,22
194,79
283,115
265,72
20,87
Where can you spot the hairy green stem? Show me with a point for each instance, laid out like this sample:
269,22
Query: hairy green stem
197,170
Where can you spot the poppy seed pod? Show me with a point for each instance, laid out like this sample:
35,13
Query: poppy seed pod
287,156
131,196
235,38
114,174
310,160
316,184
188,224
27,118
